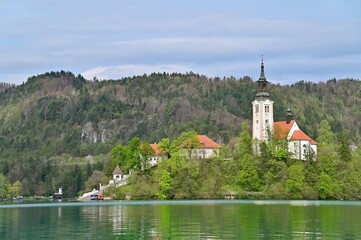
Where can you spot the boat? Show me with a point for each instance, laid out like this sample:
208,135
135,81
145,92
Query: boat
58,195
97,196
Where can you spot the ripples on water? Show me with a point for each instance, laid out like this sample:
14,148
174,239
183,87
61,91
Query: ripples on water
224,219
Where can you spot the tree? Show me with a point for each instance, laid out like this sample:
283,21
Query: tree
145,151
295,181
94,180
4,187
188,141
89,169
325,186
166,147
325,135
248,176
277,145
14,189
120,156
245,141
164,184
343,147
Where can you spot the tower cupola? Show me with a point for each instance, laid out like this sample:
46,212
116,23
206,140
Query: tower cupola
289,116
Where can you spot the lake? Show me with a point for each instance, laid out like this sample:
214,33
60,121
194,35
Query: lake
210,219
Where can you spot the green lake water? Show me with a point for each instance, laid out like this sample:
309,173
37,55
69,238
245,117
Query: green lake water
182,220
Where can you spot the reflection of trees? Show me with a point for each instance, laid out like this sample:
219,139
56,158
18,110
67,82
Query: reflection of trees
183,220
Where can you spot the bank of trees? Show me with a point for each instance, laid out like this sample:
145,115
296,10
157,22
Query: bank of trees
334,174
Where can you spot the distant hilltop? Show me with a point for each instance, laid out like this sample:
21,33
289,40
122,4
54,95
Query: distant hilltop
59,113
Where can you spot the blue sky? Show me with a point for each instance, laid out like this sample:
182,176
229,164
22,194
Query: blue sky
300,40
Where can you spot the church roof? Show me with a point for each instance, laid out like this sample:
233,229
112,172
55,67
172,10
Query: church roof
206,142
117,170
155,148
299,135
283,128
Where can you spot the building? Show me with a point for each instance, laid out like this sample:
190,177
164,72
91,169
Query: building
207,149
157,157
300,146
117,173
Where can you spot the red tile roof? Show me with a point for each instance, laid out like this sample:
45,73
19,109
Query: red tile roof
282,128
155,148
299,135
206,142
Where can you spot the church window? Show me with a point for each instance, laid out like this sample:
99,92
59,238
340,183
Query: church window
257,121
304,149
295,147
267,121
266,108
257,108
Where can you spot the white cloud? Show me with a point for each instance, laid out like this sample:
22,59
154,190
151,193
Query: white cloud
117,72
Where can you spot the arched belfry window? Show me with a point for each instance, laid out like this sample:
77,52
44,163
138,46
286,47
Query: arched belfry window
266,108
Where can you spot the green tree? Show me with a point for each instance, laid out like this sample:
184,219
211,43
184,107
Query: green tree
4,187
14,189
95,179
89,169
188,141
325,186
120,156
295,181
164,184
166,147
343,147
145,151
248,176
245,141
325,134
277,145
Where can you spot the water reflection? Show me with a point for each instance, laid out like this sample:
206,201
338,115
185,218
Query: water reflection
182,220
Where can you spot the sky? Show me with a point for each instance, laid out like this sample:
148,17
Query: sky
110,39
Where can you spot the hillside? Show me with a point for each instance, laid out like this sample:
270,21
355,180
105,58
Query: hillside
59,113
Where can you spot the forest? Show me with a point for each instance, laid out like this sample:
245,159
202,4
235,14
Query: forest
57,125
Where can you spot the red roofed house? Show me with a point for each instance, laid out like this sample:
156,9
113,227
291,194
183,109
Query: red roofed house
300,145
157,157
208,148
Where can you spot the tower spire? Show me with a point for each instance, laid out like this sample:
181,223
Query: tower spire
262,84
262,76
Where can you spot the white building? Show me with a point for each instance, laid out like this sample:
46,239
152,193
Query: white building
117,173
300,146
157,157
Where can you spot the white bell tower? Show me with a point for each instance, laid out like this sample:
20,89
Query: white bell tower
262,112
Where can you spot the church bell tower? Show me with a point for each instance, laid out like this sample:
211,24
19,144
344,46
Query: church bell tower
262,111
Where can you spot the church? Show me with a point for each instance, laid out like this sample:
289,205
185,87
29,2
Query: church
300,146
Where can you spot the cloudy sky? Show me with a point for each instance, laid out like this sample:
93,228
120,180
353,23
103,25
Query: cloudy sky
300,39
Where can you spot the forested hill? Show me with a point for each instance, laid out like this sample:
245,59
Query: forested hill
59,113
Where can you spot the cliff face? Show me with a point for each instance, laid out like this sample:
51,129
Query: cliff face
59,113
